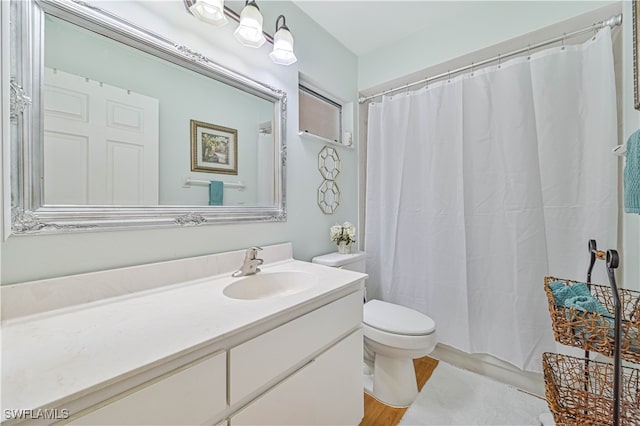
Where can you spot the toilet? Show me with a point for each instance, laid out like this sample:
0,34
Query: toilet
393,337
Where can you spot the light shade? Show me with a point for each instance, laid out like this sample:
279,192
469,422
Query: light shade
249,31
282,52
210,11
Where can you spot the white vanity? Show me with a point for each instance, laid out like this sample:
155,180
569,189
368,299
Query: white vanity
166,344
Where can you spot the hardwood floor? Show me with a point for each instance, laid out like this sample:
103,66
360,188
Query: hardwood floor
378,414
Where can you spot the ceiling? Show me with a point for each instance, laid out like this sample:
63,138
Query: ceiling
362,26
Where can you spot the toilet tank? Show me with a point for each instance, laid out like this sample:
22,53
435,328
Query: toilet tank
351,262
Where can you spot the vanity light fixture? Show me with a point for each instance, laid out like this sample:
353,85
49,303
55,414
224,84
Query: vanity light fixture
282,53
210,11
249,31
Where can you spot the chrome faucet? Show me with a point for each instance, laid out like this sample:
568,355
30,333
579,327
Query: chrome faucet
250,264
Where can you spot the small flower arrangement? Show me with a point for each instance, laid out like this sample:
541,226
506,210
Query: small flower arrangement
344,234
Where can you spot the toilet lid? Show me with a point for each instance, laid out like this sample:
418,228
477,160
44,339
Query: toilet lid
397,319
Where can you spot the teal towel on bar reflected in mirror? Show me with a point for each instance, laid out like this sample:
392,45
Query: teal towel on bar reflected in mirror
216,189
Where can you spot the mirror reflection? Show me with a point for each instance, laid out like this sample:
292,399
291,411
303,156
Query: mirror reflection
118,129
115,127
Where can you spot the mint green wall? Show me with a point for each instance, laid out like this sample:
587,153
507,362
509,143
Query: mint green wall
484,23
487,23
630,123
34,257
328,63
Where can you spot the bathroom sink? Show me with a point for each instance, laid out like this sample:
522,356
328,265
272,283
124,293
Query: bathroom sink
270,284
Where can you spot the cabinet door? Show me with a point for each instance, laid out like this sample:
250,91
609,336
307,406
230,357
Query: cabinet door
269,356
193,394
327,391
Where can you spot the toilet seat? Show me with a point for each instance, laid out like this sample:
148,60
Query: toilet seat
400,341
389,318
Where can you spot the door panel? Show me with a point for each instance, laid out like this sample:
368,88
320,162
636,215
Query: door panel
121,157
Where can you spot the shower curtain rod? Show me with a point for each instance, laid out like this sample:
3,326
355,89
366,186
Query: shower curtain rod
611,22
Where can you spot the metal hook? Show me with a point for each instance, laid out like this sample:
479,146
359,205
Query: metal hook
471,69
612,259
595,32
406,89
528,51
564,36
448,76
499,59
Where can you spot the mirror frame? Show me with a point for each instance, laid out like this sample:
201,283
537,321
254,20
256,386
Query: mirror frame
29,215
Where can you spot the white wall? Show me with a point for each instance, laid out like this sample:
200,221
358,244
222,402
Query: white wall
34,257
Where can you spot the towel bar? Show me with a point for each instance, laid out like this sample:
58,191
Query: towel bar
187,182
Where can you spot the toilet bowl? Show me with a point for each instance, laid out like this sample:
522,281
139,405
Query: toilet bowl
394,336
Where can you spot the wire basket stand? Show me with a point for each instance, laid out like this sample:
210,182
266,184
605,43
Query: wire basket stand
585,391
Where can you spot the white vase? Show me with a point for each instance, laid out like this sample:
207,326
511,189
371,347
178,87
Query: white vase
344,247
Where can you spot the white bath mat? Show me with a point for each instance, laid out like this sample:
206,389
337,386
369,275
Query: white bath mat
453,396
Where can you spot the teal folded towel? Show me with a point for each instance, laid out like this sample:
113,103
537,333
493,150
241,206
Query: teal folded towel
577,296
216,189
581,289
632,175
561,292
587,304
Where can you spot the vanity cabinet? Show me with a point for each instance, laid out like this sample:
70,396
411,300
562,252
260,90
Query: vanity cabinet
264,358
193,394
325,391
168,348
307,370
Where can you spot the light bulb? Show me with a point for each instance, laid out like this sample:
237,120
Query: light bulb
210,11
283,47
249,31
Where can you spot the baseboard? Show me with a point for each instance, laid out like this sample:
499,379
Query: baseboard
493,368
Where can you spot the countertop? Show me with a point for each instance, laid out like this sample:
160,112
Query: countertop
53,357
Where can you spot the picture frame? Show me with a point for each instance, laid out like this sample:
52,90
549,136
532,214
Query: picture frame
636,55
214,149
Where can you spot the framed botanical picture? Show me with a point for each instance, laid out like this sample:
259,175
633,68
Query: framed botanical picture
636,58
214,149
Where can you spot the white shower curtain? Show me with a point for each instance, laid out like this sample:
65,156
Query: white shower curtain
480,186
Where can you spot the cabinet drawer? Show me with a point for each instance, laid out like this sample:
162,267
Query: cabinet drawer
192,394
264,358
327,391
